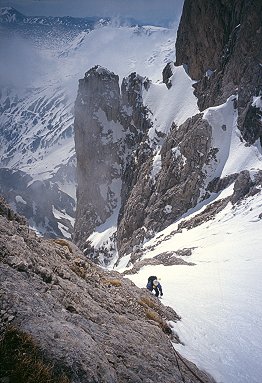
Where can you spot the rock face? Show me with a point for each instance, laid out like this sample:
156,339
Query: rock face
221,45
109,127
134,180
98,149
93,326
155,202
117,183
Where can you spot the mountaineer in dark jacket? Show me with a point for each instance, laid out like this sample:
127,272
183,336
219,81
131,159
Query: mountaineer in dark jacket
153,284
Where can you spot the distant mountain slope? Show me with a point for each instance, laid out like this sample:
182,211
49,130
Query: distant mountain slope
46,31
11,15
37,98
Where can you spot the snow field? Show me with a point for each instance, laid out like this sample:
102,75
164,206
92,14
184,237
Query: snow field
218,298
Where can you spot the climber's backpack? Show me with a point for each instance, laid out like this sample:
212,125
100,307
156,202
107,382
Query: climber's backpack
151,279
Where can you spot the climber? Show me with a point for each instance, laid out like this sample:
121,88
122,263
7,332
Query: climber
153,284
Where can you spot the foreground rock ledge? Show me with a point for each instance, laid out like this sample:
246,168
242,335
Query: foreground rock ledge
92,325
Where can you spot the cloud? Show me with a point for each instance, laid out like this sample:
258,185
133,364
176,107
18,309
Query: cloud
20,65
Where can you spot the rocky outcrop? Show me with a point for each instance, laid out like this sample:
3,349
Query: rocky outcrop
166,74
98,149
162,175
166,259
204,31
246,185
154,187
157,201
221,46
109,127
90,325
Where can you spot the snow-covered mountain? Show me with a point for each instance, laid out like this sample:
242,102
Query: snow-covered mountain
9,15
169,162
170,182
210,270
43,58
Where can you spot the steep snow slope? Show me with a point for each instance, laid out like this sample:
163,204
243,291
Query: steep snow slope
219,297
173,105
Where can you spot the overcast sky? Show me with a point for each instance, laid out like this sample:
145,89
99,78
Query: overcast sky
155,11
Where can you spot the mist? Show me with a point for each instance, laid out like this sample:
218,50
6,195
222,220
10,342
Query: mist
21,64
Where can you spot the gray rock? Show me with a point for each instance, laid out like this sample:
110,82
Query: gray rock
105,164
95,325
245,186
221,45
167,73
242,186
225,61
153,205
